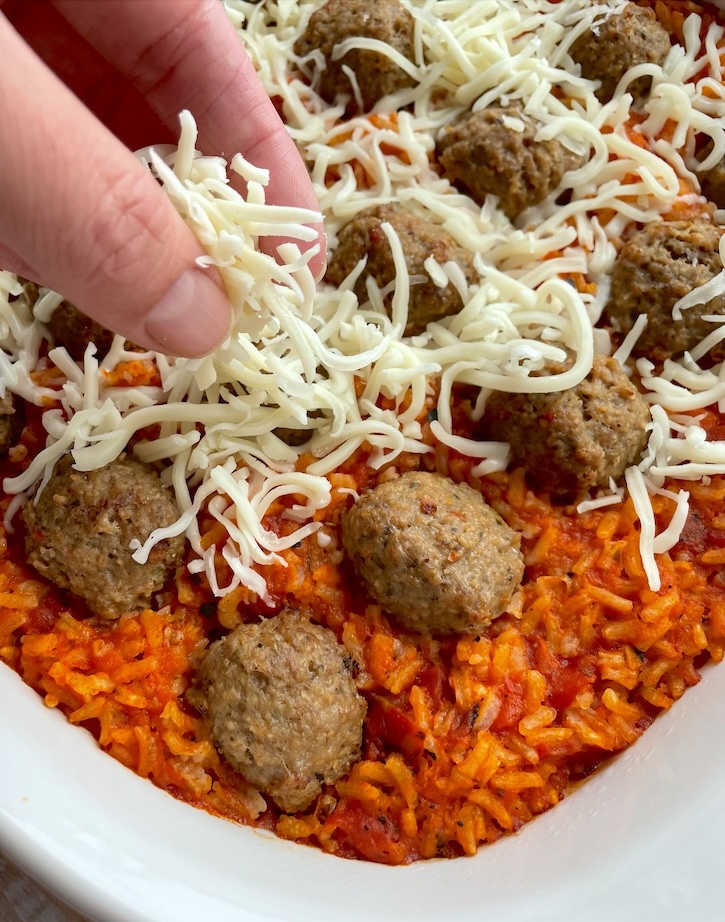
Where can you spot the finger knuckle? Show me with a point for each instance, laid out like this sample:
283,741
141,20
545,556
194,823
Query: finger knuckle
126,232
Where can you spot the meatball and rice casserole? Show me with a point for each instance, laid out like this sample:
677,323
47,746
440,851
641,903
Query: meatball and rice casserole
422,546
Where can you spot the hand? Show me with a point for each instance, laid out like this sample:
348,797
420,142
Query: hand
82,84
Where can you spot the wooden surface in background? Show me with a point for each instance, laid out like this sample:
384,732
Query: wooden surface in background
22,900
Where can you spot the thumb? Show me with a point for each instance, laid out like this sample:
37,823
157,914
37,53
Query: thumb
87,219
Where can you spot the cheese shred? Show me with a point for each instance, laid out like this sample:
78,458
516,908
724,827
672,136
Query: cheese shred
309,358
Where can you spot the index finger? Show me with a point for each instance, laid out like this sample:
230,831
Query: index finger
185,54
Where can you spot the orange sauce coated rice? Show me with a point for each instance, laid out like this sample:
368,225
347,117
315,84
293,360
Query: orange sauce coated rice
466,738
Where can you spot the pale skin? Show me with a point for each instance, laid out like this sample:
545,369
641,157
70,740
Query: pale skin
83,84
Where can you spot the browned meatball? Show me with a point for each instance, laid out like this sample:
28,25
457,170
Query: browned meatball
74,330
632,37
377,75
297,436
484,155
654,269
11,422
712,181
576,439
420,239
30,291
80,528
282,707
433,553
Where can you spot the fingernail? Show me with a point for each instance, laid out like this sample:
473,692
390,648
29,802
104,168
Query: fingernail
192,318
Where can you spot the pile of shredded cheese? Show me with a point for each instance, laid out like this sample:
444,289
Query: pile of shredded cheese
295,349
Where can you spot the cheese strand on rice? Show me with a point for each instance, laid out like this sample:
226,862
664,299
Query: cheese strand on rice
312,359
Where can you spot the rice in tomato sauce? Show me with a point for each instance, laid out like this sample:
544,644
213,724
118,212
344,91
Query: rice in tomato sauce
467,737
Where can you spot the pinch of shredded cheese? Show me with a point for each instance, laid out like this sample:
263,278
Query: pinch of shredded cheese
295,349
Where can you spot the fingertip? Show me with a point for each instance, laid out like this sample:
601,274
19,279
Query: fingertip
192,319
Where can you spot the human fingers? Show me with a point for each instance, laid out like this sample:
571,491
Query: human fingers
186,54
82,211
12,262
99,86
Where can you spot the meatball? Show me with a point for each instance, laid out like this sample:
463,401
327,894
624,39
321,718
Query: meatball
712,181
80,527
377,74
11,422
433,553
295,436
654,269
576,439
282,707
632,37
74,330
485,153
420,239
71,328
30,291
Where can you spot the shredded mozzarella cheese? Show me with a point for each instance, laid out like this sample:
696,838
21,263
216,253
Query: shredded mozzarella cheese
296,354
